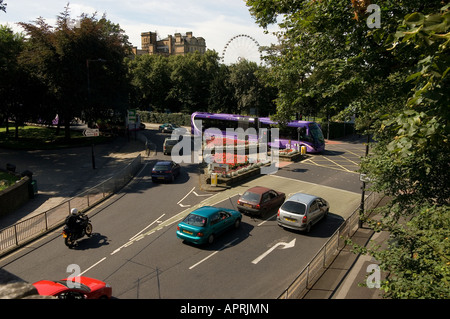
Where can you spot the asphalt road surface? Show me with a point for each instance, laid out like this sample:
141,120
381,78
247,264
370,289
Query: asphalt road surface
134,247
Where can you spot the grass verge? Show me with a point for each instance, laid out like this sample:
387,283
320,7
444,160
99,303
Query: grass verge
42,138
7,180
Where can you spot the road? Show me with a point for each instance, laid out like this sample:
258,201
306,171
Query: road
134,247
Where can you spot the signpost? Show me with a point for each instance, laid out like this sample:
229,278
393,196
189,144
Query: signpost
91,132
132,116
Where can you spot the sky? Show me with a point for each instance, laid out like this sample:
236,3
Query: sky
217,21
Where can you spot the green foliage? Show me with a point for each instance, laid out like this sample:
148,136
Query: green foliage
79,69
411,164
6,180
180,119
196,82
2,6
395,79
39,138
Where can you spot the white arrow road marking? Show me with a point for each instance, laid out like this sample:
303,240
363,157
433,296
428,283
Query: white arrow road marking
285,245
184,198
200,195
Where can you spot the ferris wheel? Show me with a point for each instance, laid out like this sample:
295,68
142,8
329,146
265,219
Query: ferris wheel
241,47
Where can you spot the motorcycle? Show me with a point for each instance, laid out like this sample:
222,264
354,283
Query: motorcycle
71,236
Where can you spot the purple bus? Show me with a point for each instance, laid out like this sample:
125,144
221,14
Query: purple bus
297,133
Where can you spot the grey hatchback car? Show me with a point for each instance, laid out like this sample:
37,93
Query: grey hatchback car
300,211
168,145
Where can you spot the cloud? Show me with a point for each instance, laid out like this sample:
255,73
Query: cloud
215,20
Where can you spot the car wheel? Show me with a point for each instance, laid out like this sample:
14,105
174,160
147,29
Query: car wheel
237,223
308,228
210,239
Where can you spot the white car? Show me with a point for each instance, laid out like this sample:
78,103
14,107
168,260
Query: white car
301,211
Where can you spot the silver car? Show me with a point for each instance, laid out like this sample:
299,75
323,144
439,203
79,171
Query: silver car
168,145
301,211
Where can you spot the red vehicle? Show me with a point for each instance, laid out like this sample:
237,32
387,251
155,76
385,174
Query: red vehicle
259,200
74,288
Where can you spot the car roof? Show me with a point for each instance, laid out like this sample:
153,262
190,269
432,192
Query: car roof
302,198
163,163
258,189
206,211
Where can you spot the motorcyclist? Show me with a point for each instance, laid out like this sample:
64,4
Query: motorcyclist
75,221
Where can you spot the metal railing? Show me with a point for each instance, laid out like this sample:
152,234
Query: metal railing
26,230
310,273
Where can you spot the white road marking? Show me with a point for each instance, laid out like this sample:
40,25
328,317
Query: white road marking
156,221
209,256
137,237
200,195
263,222
93,266
285,245
184,198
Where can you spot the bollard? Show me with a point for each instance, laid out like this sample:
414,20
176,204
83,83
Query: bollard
214,179
303,150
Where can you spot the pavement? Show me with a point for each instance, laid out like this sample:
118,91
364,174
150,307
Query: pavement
61,174
349,273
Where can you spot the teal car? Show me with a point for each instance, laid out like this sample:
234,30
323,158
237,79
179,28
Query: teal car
204,224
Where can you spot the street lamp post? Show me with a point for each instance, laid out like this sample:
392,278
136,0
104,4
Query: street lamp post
89,97
363,188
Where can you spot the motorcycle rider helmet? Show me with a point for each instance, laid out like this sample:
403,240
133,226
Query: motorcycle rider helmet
74,211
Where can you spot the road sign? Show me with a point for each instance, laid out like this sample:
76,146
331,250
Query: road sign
132,116
91,132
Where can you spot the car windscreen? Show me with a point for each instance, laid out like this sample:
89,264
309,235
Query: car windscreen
294,207
74,284
251,197
195,220
171,142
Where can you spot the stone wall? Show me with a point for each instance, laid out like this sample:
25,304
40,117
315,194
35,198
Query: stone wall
12,287
14,196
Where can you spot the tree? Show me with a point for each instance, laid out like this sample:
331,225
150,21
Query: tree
411,163
2,6
12,92
151,78
191,76
395,79
221,97
249,89
81,64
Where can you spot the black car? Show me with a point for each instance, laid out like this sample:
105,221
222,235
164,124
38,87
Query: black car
165,171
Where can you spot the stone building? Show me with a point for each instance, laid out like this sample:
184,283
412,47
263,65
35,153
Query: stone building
172,45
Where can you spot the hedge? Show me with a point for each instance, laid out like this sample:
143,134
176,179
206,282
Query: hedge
174,118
